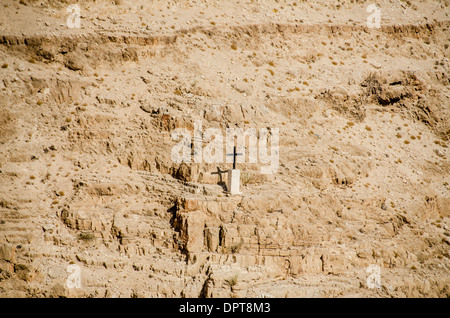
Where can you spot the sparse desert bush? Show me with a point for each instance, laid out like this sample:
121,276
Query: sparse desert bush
5,65
232,280
235,248
252,178
372,84
86,236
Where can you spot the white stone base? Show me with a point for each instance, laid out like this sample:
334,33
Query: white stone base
234,180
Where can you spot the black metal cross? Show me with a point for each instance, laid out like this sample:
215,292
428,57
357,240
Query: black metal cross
219,172
234,154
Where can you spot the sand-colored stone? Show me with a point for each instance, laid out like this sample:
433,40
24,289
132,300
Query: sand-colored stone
86,174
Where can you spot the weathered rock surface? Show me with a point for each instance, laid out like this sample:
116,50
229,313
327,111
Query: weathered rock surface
87,178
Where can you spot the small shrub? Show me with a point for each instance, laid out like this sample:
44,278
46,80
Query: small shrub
86,236
248,178
235,248
232,280
5,65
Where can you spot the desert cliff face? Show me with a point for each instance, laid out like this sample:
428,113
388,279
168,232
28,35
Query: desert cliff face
87,178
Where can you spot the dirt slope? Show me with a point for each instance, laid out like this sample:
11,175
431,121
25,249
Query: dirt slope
87,178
